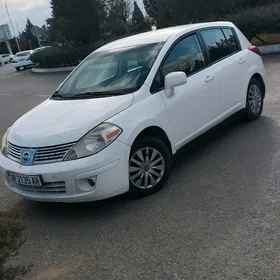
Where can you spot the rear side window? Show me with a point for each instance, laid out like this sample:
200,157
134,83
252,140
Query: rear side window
216,43
186,56
231,40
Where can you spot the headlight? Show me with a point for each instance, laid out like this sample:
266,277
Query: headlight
94,141
4,142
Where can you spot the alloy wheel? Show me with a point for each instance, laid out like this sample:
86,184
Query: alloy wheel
255,99
146,168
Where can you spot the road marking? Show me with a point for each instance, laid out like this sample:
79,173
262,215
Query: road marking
5,94
44,95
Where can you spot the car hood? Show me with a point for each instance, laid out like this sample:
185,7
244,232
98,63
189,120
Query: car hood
55,122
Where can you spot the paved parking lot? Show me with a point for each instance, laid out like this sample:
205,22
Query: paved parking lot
217,218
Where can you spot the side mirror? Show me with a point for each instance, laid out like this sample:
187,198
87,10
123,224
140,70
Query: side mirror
172,80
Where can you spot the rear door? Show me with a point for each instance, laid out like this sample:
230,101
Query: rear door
196,103
228,63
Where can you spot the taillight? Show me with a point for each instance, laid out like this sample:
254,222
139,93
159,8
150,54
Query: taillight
255,49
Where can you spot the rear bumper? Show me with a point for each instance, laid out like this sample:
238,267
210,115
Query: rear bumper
23,63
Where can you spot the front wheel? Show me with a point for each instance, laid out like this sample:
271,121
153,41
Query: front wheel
18,69
255,99
149,166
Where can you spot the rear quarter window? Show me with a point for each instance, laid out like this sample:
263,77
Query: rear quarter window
232,40
216,44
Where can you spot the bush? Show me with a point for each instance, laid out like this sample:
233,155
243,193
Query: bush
65,56
11,229
254,21
60,56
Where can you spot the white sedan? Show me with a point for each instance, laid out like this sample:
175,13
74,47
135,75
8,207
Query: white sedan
22,59
7,58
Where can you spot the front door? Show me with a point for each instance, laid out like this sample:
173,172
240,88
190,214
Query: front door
197,102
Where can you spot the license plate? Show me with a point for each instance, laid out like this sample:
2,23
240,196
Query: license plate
26,180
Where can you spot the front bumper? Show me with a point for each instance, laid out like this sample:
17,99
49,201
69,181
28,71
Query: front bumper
107,169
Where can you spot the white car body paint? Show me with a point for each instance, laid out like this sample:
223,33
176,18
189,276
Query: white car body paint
210,96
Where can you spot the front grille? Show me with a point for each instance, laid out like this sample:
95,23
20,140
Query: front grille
47,188
14,152
42,155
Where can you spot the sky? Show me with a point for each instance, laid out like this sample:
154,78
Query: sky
36,10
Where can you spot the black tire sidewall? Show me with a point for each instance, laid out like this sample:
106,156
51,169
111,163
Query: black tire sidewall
155,143
250,115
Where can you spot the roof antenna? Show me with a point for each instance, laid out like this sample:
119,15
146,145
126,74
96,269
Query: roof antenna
195,15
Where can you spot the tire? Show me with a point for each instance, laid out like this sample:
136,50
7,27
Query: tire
254,101
18,69
159,155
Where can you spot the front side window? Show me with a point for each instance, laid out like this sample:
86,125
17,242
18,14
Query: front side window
113,72
216,43
186,56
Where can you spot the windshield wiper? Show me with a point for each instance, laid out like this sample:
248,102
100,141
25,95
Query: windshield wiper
59,96
99,94
94,94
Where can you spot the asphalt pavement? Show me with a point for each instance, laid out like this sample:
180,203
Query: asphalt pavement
216,219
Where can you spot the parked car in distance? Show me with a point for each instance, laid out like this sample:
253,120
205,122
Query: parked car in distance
1,61
7,58
114,124
22,59
41,48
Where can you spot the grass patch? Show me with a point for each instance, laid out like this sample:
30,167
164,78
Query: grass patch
266,39
11,230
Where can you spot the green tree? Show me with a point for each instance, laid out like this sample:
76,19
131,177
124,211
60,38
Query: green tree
44,35
29,37
176,12
119,12
151,8
77,22
139,22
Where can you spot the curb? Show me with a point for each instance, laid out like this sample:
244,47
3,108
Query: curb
53,70
270,49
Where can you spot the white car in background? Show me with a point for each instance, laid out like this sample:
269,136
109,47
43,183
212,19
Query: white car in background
1,61
22,59
41,48
7,58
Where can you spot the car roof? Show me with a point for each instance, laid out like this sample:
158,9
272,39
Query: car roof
159,35
24,51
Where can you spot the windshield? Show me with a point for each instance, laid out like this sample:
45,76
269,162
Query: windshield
23,54
111,72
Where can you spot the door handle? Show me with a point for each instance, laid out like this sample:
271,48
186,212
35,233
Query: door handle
242,60
209,78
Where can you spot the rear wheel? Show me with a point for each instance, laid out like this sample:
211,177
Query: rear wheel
149,166
255,97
